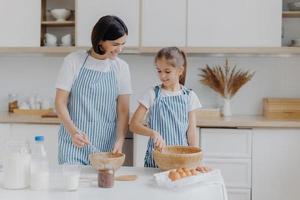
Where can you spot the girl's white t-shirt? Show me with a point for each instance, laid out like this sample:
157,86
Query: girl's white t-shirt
148,98
74,61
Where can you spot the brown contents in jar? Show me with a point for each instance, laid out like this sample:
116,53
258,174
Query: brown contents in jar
106,178
12,105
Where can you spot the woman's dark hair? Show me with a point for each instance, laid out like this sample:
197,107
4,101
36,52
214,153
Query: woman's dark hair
175,57
107,28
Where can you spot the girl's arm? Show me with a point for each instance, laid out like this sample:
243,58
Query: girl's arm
137,126
61,101
122,121
192,135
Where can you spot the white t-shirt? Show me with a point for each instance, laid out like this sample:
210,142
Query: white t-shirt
73,62
148,98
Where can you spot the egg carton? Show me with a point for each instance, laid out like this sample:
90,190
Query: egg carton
212,177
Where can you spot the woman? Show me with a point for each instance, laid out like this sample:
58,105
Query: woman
92,96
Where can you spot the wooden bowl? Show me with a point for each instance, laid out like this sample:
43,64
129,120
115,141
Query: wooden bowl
172,157
102,160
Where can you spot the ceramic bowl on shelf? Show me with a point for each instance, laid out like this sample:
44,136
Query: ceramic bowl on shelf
172,157
60,14
294,6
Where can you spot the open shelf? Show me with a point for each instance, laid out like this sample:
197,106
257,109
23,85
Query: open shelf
56,23
271,51
291,14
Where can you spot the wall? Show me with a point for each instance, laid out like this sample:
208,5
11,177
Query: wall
275,77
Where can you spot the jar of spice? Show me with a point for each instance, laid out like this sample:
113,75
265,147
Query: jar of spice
106,177
12,102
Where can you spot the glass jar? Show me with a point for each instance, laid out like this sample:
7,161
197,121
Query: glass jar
106,177
16,164
12,102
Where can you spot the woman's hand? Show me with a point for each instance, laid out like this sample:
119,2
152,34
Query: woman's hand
80,139
158,140
118,146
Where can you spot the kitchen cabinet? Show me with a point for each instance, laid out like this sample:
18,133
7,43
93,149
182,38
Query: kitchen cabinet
276,163
89,12
4,136
29,131
234,23
20,23
49,24
230,150
163,23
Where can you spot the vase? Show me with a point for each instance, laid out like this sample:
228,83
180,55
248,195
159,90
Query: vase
226,108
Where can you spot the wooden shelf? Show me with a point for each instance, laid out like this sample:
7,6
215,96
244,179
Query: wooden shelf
291,14
53,50
269,51
56,23
233,50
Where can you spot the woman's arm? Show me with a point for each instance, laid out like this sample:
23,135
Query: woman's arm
61,102
122,121
192,135
137,126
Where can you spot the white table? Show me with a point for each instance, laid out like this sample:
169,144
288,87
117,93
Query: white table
144,188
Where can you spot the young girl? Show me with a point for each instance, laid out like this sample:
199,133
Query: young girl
171,106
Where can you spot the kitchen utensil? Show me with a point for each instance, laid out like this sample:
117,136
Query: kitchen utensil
177,156
100,160
66,40
294,6
126,178
50,39
60,14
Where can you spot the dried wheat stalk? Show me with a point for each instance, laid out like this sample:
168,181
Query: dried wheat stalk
225,80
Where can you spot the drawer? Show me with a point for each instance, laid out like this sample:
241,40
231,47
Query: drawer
239,194
229,143
236,172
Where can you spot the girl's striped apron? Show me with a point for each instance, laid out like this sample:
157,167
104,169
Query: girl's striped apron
168,116
92,107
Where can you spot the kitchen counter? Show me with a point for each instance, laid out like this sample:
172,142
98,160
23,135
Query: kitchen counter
239,121
143,188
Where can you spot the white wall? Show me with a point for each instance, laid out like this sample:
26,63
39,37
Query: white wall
275,77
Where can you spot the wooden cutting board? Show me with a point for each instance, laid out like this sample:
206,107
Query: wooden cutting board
281,108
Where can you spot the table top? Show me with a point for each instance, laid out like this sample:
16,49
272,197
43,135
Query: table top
144,188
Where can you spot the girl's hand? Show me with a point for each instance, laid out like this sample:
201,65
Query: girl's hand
79,139
158,140
203,169
118,146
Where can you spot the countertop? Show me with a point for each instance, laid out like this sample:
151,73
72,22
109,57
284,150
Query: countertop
143,188
238,121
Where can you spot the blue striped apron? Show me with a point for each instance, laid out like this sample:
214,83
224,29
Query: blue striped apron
92,107
169,116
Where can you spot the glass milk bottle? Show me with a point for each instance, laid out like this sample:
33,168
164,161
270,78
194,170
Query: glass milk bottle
16,165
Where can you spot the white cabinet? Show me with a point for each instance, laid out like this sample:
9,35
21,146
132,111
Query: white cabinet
29,131
276,164
234,23
229,150
163,23
20,23
4,136
89,12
